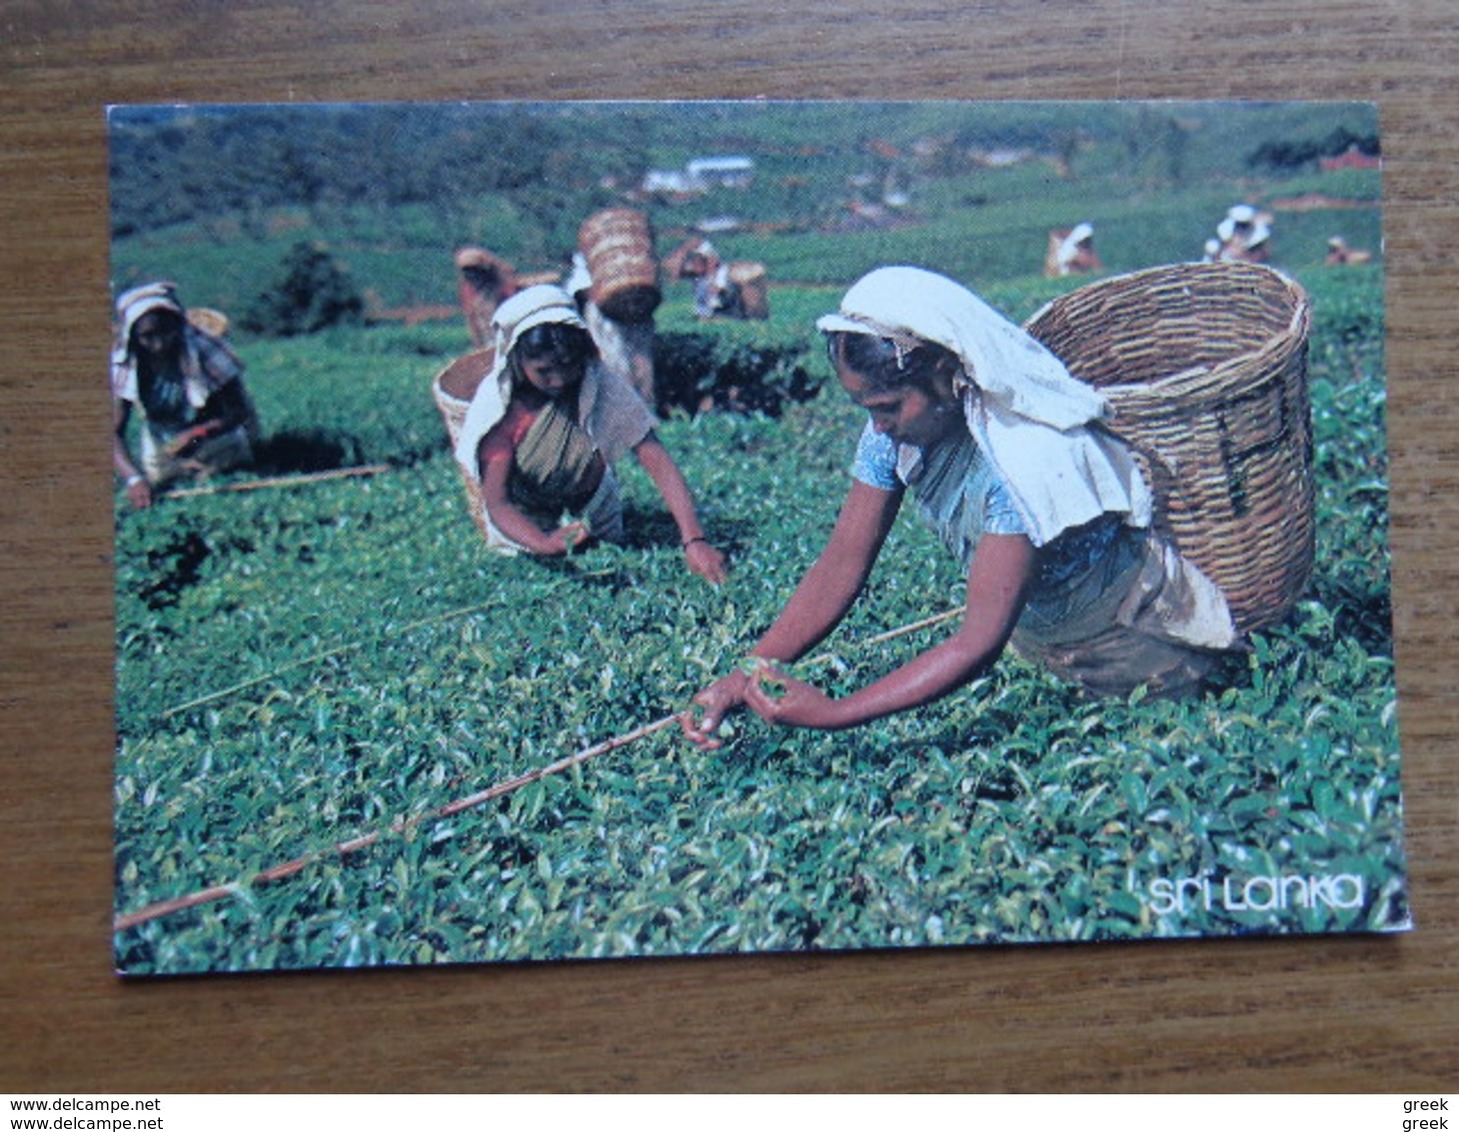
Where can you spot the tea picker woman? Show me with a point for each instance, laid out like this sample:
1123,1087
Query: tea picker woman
1003,454
544,429
196,415
627,347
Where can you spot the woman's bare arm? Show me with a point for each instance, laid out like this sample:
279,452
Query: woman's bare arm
821,599
508,519
997,579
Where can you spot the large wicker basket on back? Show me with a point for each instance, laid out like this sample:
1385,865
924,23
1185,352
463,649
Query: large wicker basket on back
618,244
1205,366
452,390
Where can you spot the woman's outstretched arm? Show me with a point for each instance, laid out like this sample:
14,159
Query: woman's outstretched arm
821,599
997,580
495,474
703,558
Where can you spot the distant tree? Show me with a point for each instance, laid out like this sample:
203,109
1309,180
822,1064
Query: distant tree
1176,143
1294,153
1066,145
1141,134
311,292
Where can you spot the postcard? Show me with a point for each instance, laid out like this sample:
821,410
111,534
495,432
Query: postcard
589,530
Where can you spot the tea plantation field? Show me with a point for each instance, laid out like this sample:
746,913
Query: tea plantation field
301,666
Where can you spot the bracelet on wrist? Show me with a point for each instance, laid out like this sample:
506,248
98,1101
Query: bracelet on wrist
134,479
687,543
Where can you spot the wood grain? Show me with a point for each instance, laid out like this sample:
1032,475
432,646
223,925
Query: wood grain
1377,1014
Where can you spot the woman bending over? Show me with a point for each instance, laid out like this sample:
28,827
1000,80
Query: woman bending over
1004,456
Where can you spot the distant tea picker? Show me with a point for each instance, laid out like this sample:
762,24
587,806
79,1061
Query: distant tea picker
1059,528
1071,252
722,289
483,281
1244,235
186,383
545,423
614,281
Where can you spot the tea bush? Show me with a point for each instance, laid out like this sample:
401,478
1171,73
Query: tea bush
300,666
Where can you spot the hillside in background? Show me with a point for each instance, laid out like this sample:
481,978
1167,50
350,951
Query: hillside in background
214,197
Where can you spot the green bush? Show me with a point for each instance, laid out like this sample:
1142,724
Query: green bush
310,293
695,372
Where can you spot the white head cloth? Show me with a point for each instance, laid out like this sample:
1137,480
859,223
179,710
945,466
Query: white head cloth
1069,246
1028,414
131,305
579,279
535,306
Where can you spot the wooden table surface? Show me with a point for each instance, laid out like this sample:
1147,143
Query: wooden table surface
1370,1014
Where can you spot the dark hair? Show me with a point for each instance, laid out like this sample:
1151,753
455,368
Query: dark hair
556,340
486,278
166,318
570,347
883,366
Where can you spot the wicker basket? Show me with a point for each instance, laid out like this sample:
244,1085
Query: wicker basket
618,244
749,277
211,322
452,390
1205,366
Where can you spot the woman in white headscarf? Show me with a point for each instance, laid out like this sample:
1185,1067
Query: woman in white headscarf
545,428
1004,455
187,384
1075,254
1244,234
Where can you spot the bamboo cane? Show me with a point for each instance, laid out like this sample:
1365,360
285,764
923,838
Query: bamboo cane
343,848
348,646
277,481
899,631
